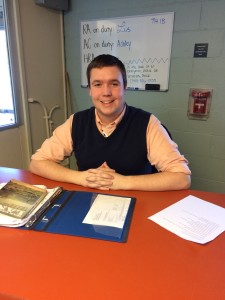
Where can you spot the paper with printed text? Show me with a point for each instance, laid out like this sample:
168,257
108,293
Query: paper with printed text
108,210
192,219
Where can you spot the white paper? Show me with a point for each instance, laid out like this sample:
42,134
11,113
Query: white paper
192,219
108,210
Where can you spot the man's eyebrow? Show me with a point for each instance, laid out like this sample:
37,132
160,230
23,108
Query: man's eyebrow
95,82
111,80
115,80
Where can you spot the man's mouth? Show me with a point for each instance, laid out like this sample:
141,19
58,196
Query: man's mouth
106,101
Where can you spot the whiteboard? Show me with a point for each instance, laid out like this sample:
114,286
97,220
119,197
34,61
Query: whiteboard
142,43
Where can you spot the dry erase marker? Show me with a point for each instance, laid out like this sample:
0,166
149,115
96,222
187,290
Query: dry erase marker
133,88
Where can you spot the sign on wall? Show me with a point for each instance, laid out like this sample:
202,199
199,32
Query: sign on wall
143,43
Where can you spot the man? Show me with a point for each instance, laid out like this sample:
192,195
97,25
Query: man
115,145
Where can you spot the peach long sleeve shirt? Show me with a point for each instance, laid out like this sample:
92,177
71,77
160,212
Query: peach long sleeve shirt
161,150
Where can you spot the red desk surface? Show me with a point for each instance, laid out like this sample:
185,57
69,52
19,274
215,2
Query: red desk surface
153,264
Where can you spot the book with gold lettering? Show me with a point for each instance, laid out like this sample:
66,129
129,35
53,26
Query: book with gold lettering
20,201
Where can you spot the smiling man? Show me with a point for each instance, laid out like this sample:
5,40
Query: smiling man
116,146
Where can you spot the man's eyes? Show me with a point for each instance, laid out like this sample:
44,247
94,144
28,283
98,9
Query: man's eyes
99,84
115,83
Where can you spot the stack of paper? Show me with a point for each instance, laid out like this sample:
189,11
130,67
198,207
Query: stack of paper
192,219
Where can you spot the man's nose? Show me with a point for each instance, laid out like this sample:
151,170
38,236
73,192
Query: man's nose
107,89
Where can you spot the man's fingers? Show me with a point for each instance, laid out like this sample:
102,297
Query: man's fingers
100,174
106,178
102,185
105,167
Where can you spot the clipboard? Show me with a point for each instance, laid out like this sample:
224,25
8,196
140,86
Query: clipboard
67,212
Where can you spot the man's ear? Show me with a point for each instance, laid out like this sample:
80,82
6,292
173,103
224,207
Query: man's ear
89,90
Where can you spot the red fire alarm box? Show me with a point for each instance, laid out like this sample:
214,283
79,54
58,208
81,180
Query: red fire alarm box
199,103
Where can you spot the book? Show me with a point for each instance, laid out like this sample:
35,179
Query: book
18,199
21,202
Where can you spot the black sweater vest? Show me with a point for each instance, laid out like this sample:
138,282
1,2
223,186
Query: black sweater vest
125,150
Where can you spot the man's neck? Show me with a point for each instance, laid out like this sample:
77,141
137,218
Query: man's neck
107,120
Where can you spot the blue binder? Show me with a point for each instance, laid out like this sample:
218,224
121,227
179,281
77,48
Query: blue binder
67,212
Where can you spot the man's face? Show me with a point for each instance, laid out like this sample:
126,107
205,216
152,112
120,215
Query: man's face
107,92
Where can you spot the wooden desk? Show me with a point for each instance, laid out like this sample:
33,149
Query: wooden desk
153,264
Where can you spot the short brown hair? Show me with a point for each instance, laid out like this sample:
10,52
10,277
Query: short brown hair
106,60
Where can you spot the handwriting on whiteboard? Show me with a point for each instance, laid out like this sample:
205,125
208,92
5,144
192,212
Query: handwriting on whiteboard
143,43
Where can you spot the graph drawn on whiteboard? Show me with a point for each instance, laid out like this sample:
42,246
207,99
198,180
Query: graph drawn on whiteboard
142,43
